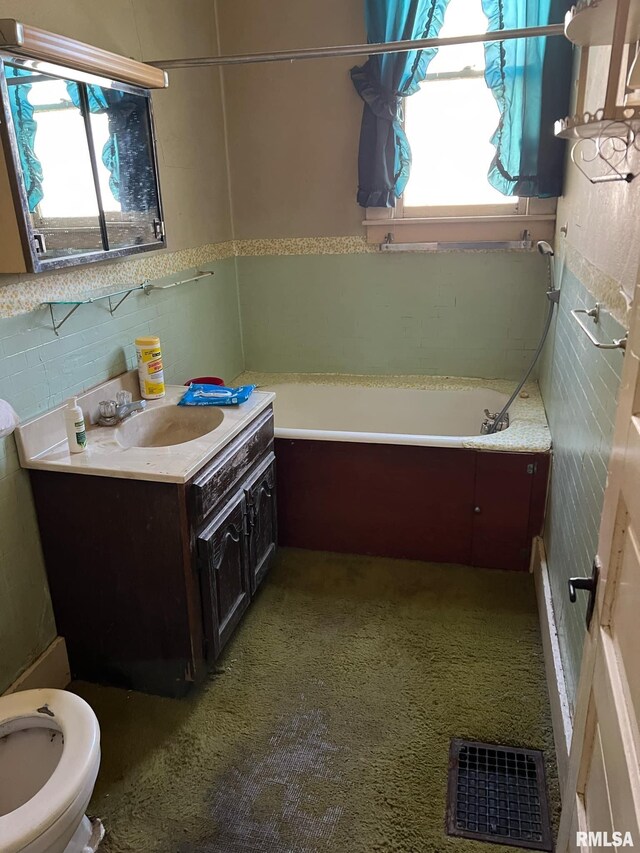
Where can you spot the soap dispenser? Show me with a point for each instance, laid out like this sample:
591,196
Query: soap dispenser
76,430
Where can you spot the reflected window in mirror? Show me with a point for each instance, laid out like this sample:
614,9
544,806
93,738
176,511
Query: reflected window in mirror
85,157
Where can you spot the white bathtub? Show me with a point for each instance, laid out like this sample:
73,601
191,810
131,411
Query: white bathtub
381,415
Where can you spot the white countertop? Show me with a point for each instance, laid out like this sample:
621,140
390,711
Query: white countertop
42,442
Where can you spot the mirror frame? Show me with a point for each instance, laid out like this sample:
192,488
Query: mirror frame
10,145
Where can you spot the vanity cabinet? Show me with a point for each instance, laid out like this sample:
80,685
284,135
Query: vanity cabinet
150,579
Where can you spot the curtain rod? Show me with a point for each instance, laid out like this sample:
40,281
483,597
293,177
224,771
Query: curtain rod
360,49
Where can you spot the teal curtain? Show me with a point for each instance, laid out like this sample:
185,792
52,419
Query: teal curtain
384,160
530,80
99,102
25,127
127,152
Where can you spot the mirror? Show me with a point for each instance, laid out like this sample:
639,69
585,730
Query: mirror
85,159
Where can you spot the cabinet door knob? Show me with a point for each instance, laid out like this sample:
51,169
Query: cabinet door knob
477,509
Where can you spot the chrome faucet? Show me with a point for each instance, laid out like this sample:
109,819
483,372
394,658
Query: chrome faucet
489,424
113,412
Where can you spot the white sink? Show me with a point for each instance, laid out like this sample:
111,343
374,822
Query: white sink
166,442
168,425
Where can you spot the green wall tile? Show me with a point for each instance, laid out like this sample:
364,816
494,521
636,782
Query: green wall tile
462,314
579,385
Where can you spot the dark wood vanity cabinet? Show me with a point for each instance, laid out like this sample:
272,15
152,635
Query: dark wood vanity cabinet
150,579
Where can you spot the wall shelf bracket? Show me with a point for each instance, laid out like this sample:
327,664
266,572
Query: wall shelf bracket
57,324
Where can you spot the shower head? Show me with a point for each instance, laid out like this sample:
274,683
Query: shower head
545,248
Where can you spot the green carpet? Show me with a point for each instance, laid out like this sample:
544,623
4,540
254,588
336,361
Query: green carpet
326,726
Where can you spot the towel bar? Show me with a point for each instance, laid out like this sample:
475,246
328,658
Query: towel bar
594,313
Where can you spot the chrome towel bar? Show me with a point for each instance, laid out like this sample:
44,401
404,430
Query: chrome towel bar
149,288
439,245
594,313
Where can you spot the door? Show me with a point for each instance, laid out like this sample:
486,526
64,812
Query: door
224,558
602,791
260,494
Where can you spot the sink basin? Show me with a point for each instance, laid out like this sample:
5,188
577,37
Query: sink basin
168,425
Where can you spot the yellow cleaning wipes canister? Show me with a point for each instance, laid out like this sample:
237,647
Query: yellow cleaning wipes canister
150,372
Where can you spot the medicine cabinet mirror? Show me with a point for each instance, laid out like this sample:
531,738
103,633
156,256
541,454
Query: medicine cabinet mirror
78,176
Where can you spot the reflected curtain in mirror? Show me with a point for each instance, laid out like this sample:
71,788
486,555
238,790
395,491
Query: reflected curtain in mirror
131,176
26,127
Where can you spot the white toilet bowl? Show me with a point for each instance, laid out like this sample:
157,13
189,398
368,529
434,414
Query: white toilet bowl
49,760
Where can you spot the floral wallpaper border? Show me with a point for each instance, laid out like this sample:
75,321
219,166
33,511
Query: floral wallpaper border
305,246
28,292
25,293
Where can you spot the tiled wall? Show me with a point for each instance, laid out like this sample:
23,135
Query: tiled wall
458,314
199,326
579,385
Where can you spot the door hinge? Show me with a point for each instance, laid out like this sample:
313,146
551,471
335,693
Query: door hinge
158,229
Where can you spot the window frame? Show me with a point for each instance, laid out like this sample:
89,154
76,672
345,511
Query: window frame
533,218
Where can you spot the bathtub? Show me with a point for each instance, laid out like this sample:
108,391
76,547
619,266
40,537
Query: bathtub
397,467
429,418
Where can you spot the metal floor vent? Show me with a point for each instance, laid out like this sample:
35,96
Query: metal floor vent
498,794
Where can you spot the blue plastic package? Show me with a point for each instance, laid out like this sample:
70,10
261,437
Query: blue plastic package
215,395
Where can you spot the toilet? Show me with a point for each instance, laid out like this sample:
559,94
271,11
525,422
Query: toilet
49,760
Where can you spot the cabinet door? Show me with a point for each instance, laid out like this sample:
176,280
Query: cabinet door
262,519
502,509
224,557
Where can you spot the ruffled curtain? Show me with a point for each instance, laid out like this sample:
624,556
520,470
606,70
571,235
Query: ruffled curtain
384,160
530,80
26,127
126,152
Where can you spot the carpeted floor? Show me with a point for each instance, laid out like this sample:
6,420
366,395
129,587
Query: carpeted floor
327,725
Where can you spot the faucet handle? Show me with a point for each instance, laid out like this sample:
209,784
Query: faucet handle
123,397
108,408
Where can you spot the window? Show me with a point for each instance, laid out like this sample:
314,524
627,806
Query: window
450,121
